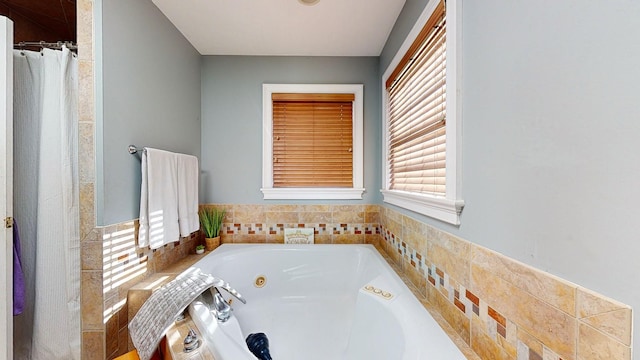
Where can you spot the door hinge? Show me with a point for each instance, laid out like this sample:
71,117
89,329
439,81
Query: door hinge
8,222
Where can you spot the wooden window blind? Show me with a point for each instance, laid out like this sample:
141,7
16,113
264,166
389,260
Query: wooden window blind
312,140
417,101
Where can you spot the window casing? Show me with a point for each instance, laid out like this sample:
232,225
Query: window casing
421,118
284,174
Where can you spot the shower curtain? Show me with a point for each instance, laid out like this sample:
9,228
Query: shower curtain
46,203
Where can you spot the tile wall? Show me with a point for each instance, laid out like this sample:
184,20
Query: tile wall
501,308
91,295
112,264
333,224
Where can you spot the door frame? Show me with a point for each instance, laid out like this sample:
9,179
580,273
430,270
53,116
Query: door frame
6,187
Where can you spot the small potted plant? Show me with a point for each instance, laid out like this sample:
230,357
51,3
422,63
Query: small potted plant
211,224
199,249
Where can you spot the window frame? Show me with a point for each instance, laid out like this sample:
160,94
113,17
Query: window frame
271,193
449,207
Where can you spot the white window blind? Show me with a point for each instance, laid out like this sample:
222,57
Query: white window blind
417,102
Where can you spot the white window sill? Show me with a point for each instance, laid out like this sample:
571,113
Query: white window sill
312,194
446,210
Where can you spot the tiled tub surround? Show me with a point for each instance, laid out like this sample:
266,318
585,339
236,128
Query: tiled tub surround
502,308
112,263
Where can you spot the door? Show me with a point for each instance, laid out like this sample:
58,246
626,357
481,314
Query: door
6,188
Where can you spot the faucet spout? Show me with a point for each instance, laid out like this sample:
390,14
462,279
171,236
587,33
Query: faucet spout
220,307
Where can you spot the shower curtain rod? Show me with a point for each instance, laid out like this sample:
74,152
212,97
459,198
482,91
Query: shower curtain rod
43,44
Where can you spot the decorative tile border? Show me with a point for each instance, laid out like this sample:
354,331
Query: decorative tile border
469,304
278,229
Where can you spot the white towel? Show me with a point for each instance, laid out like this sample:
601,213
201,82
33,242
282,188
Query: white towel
158,199
188,173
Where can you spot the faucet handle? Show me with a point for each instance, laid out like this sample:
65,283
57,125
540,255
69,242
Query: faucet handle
191,341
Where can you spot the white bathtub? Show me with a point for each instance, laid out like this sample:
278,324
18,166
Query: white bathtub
319,302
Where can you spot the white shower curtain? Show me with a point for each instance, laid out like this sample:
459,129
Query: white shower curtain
46,203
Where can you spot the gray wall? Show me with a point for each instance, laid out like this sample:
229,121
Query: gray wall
150,96
232,119
551,129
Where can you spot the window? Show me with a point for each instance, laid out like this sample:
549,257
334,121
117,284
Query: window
312,142
420,142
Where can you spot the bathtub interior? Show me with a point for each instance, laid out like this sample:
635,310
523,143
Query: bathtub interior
314,304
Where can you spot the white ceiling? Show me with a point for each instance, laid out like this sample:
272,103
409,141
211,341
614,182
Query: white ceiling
284,27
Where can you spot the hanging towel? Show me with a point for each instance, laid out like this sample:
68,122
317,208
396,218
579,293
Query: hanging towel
188,173
158,199
18,276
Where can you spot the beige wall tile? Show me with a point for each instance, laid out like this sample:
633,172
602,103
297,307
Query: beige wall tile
371,214
86,167
163,259
551,326
371,217
411,224
416,278
347,208
87,213
314,208
84,19
552,290
86,112
251,239
111,336
282,208
393,253
91,255
274,239
373,239
248,214
594,345
394,227
92,300
371,208
608,316
390,214
348,239
280,218
347,217
416,240
123,313
484,345
456,318
315,217
123,340
322,239
93,343
451,256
